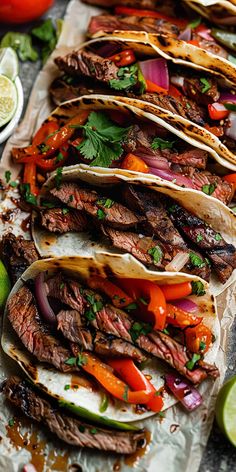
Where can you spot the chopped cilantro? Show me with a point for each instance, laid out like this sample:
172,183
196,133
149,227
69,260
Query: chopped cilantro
202,346
142,300
199,238
71,361
165,331
195,23
90,315
230,106
65,211
218,237
191,364
93,430
125,394
131,306
105,202
11,422
48,205
102,140
161,414
198,288
81,428
159,143
13,184
28,196
156,254
59,157
67,387
206,85
196,260
157,393
172,208
43,147
71,198
97,306
139,328
209,188
58,178
62,285
104,403
128,77
81,360
7,176
101,214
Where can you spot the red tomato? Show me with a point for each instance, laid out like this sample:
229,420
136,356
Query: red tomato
217,111
21,11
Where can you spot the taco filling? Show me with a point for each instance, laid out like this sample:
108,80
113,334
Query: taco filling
155,229
197,96
116,139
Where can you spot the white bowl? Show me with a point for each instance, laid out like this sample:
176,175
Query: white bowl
9,127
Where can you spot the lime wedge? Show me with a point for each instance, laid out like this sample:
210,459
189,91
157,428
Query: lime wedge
9,65
226,409
5,285
8,99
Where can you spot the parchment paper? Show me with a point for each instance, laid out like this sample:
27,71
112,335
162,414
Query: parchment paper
178,439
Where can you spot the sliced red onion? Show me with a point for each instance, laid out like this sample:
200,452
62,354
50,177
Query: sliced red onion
177,80
226,97
29,468
218,106
156,70
188,395
206,34
231,126
186,305
178,262
42,299
177,179
186,34
157,162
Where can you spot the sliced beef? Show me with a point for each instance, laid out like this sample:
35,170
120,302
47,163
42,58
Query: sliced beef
34,334
69,428
197,89
157,222
114,321
74,327
221,254
110,23
18,254
63,220
193,157
66,88
222,190
102,209
88,64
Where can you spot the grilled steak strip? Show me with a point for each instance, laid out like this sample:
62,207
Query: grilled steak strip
116,322
69,428
221,254
114,214
33,333
63,220
81,62
77,331
157,222
110,23
18,253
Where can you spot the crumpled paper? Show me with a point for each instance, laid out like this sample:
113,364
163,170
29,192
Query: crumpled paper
178,440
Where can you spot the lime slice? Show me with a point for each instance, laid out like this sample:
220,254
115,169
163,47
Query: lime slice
226,409
8,99
5,285
9,65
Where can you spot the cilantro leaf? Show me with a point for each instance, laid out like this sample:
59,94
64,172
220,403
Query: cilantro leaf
202,346
128,77
71,361
208,189
199,238
191,363
156,254
125,394
159,143
139,328
196,260
195,23
198,288
58,178
28,196
103,140
46,33
230,106
105,202
218,237
206,85
22,44
7,176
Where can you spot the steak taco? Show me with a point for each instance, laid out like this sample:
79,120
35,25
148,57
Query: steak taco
221,12
135,65
120,133
166,229
81,330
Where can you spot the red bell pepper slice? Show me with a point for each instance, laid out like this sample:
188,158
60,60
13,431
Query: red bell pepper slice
135,163
151,87
176,291
102,373
153,295
231,179
50,127
131,375
120,10
174,92
116,294
123,58
180,318
30,177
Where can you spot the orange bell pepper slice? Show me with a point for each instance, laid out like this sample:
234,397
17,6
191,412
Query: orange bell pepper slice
135,163
198,339
176,291
175,316
151,87
116,294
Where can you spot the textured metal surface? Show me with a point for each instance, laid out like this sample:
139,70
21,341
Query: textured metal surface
219,455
